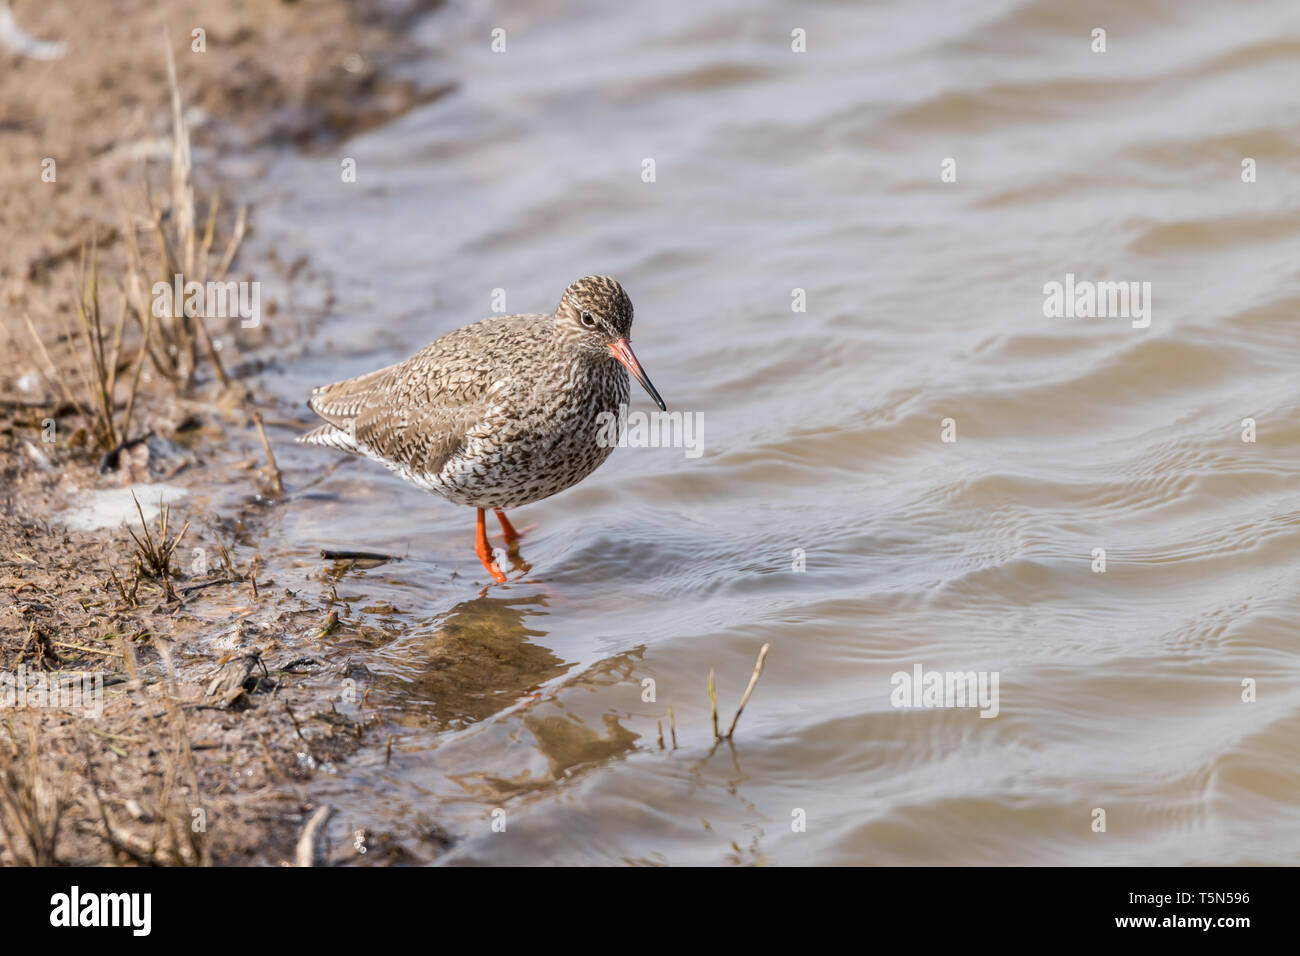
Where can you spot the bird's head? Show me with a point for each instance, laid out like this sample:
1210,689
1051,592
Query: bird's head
595,315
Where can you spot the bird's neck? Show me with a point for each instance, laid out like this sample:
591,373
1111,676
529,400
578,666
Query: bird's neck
574,368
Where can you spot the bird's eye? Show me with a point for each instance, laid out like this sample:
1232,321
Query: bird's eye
588,320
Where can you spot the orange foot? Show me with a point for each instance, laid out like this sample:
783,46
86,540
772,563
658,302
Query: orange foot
485,553
508,531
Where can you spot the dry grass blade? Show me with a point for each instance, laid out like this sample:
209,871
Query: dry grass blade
49,371
749,689
182,182
713,705
309,844
183,210
241,227
101,380
277,481
182,256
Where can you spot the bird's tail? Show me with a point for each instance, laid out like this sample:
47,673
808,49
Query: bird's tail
328,436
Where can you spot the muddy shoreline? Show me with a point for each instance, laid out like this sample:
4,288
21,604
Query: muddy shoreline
213,725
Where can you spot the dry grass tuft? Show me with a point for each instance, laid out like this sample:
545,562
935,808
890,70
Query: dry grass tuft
181,251
155,557
31,809
98,370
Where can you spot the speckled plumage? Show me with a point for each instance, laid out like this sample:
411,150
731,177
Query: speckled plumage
497,414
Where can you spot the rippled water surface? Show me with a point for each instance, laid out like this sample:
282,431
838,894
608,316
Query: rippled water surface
821,171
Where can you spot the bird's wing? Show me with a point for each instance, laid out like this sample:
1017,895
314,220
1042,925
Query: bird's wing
419,411
395,413
421,438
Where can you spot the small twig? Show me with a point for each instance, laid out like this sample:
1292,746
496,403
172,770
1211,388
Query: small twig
205,246
121,589
52,374
277,483
296,729
135,383
753,679
241,226
192,588
307,853
210,347
330,555
713,702
82,647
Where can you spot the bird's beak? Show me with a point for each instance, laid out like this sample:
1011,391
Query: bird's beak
623,352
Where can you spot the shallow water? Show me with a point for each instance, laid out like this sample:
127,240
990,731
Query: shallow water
823,431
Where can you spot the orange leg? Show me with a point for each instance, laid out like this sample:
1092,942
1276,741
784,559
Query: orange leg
507,529
484,552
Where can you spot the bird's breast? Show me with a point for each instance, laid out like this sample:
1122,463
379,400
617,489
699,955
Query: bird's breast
539,437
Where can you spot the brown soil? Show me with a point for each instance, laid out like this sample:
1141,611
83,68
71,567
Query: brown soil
201,754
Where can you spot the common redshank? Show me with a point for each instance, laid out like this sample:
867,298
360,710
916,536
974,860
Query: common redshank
497,414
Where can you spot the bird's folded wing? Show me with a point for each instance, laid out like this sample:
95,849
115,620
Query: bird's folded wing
340,402
418,412
421,438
